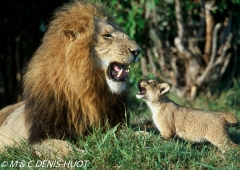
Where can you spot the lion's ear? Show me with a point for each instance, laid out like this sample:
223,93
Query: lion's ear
163,88
72,34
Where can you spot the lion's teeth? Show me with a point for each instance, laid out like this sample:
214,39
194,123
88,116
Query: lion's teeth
120,73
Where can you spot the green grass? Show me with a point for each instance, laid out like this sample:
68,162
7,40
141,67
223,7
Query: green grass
121,149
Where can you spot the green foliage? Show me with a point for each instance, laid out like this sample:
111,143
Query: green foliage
224,6
131,16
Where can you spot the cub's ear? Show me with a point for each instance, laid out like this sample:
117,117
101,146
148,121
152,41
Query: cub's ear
72,34
163,88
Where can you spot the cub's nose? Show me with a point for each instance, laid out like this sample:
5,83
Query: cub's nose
135,52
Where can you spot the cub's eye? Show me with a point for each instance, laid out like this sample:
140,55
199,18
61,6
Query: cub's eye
108,36
150,82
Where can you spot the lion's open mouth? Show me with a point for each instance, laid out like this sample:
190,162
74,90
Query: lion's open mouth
118,72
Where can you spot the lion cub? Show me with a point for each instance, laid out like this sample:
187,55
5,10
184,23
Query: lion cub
187,123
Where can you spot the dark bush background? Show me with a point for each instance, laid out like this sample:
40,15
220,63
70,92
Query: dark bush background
22,25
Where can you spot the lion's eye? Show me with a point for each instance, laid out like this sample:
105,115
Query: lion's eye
108,36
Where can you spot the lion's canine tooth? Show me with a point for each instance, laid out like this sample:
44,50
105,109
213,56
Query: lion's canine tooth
120,73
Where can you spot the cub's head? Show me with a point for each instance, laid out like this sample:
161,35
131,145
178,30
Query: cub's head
151,90
115,52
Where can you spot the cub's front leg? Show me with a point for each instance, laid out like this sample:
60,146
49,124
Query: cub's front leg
167,133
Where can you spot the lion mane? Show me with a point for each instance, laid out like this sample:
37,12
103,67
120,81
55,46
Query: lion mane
65,90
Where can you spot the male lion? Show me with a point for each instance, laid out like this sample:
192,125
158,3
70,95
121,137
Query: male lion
187,123
76,80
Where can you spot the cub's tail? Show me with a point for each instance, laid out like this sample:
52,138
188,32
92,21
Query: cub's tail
232,120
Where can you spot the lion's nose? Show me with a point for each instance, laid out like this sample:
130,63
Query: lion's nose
135,52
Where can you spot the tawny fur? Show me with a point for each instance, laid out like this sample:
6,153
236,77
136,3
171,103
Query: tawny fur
6,111
190,124
68,89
